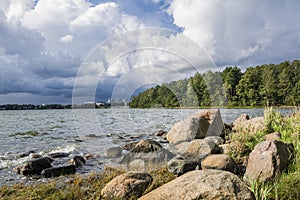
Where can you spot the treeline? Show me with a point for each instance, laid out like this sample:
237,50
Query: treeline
265,85
52,106
33,107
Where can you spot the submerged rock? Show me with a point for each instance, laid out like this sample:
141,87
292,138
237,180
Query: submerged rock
126,186
33,167
129,146
35,155
58,171
202,184
58,155
22,155
164,136
146,146
92,136
160,133
78,161
114,152
91,156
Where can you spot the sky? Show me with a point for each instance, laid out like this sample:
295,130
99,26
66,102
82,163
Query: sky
64,51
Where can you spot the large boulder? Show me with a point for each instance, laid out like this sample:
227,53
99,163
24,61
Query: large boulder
190,154
146,146
179,148
145,161
244,117
180,165
220,162
216,139
268,159
251,126
202,184
34,167
59,171
197,126
201,147
198,147
126,186
146,155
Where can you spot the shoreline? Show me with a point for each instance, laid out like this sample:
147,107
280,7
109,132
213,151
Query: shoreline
187,107
78,186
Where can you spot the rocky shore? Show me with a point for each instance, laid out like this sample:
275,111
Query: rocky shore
208,159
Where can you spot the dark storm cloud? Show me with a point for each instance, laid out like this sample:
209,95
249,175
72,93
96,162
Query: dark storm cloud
43,43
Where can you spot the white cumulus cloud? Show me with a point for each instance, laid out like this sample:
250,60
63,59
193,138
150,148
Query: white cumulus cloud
66,39
241,32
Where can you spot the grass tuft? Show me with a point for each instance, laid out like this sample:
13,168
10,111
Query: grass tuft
261,190
76,186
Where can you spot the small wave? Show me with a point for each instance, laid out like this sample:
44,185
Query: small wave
6,162
57,127
70,148
14,162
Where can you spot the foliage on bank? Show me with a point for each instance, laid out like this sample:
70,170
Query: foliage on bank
265,85
287,185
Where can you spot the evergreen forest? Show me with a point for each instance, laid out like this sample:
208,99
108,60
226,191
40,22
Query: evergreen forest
265,85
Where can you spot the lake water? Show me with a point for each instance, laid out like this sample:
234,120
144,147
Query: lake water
82,131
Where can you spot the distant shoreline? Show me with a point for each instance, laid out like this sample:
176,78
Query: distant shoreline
51,106
105,106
